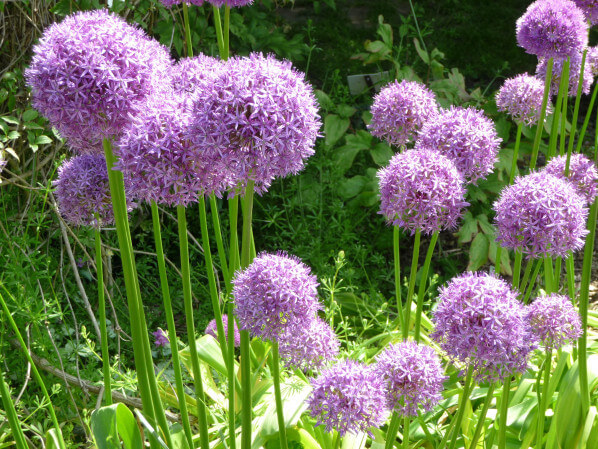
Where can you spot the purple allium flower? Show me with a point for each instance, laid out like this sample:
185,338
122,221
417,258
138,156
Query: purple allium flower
582,174
309,347
521,97
275,292
258,119
231,3
554,320
161,339
212,330
192,74
592,60
82,190
348,397
421,189
159,161
170,3
541,215
574,71
90,72
589,8
552,28
479,322
414,377
467,137
400,110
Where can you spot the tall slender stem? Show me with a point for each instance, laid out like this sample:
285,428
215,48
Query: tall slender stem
543,400
461,409
202,414
231,377
565,75
282,433
406,422
397,266
515,153
176,364
548,275
482,418
526,274
504,410
577,103
233,217
11,414
532,281
540,126
570,265
586,120
517,268
422,285
393,430
411,288
102,312
219,241
247,411
226,31
218,28
187,30
207,252
552,141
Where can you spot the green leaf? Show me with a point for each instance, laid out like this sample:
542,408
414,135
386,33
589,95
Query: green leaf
12,135
334,128
384,31
381,153
423,54
377,47
503,128
11,120
352,186
53,440
294,392
29,114
115,423
42,140
505,261
324,100
345,111
208,351
478,252
468,229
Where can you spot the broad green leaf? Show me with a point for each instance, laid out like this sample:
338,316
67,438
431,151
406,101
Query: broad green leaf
294,392
42,140
377,47
345,111
29,114
334,128
354,441
423,54
384,31
505,264
468,228
115,423
10,119
590,427
53,440
381,153
352,186
478,252
208,351
344,156
503,128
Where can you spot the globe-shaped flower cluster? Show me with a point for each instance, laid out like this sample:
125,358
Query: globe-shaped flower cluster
589,8
521,97
212,329
82,191
91,72
552,28
421,189
582,174
574,71
400,110
414,377
541,215
467,137
257,121
554,320
275,293
190,75
348,397
480,323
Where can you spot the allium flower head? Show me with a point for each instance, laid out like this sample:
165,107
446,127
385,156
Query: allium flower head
170,3
348,397
274,293
421,189
400,109
589,8
309,347
541,215
574,71
554,320
192,74
479,322
158,159
82,191
552,28
521,97
161,339
592,60
212,330
231,3
258,120
582,174
414,377
467,137
90,72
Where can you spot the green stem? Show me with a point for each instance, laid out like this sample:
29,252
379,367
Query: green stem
218,28
563,90
245,350
397,260
34,370
526,275
411,289
517,268
461,410
586,120
557,274
187,30
231,377
393,430
11,414
172,335
282,433
202,414
576,109
207,252
504,410
515,153
540,126
497,260
482,418
543,400
565,76
548,275
219,241
570,265
532,281
102,312
406,421
422,285
234,261
226,31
